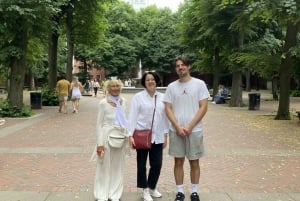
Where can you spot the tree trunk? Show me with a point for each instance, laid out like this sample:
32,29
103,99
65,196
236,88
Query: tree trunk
32,82
248,84
52,57
17,72
275,88
217,69
70,44
283,112
236,90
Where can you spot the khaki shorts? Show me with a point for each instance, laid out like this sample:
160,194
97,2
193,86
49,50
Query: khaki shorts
191,146
63,98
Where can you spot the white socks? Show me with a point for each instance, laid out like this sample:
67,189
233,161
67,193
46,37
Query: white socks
194,188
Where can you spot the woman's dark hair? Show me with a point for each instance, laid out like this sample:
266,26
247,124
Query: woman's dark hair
154,74
185,60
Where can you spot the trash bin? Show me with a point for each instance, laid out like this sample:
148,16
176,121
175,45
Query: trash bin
254,101
36,100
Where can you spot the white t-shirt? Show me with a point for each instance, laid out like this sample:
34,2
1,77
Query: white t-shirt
185,97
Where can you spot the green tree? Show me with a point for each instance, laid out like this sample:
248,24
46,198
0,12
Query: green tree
220,32
18,25
83,23
157,38
206,35
117,52
287,14
53,42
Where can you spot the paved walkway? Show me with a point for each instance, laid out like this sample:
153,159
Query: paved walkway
250,156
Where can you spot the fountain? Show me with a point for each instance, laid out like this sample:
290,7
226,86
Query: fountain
138,86
139,76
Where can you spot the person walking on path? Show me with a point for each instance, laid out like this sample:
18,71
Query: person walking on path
75,90
140,117
96,86
186,101
63,88
110,160
87,86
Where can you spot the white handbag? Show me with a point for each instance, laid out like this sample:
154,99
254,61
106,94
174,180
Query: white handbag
117,137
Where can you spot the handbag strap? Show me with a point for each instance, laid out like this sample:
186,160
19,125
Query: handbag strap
153,111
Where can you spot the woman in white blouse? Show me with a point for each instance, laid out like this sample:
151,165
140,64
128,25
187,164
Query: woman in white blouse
140,117
110,160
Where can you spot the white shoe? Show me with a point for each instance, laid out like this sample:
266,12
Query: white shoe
146,195
155,193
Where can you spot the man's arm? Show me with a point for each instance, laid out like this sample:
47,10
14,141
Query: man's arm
203,104
57,87
173,120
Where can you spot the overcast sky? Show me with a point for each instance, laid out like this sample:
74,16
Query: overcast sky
173,4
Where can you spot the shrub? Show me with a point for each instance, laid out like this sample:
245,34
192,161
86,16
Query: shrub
8,110
295,93
49,97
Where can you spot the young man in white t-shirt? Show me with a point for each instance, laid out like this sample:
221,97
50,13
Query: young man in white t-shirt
186,102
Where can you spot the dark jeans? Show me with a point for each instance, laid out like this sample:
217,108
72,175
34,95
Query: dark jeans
155,160
95,90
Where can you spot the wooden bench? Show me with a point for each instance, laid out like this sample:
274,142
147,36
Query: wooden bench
298,114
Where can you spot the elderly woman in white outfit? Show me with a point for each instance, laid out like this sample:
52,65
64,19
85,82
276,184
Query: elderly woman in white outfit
110,160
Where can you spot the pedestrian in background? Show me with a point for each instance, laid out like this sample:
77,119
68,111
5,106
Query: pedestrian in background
140,117
87,86
96,86
63,89
76,89
186,101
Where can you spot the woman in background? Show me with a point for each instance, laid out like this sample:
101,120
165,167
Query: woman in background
75,89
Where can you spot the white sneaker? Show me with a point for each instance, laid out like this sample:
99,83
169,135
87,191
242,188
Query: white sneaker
155,193
146,195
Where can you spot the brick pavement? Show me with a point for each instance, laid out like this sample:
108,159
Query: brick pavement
249,156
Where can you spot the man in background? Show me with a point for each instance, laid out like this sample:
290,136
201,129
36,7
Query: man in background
63,88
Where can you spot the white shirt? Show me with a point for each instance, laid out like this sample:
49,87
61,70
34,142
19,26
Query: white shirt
141,113
185,97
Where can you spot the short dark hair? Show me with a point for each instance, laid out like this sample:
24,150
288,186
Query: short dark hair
185,60
154,74
63,76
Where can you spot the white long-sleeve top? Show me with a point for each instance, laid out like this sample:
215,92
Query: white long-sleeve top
105,120
141,113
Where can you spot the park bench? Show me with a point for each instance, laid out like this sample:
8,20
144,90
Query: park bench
298,114
228,98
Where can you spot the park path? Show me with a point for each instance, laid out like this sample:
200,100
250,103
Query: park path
249,156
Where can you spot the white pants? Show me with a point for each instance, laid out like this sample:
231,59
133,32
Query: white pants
109,174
